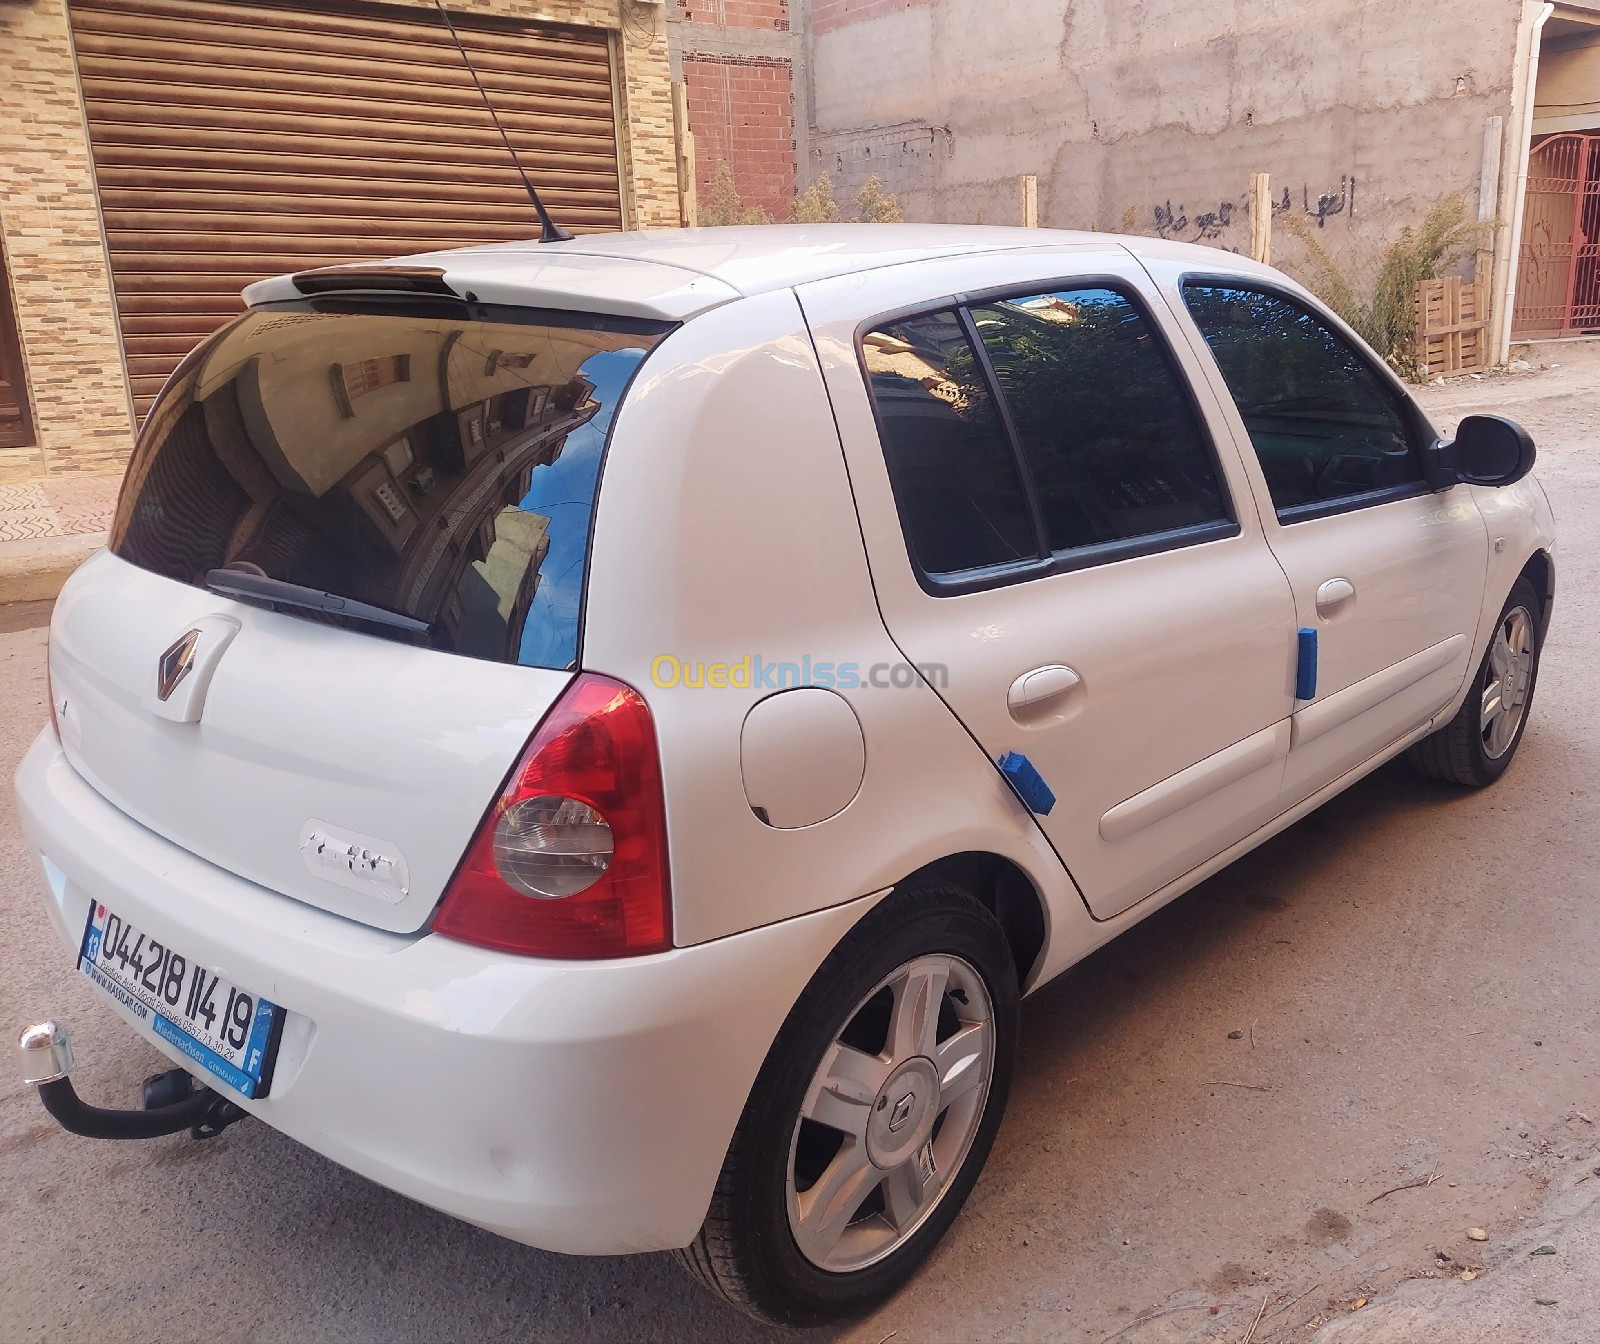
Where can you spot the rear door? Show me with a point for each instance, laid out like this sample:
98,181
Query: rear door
438,462
1388,573
1058,543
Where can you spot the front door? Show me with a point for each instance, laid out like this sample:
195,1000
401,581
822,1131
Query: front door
1058,543
1387,572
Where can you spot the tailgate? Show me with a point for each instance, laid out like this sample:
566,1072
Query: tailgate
434,462
342,769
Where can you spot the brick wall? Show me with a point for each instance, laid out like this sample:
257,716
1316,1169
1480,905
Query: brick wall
768,14
55,251
741,110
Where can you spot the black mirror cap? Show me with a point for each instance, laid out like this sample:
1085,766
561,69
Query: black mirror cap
1492,450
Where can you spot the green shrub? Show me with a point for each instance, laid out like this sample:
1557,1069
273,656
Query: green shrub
815,205
874,205
1386,317
723,206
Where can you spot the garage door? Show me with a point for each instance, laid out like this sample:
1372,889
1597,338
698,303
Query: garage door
233,141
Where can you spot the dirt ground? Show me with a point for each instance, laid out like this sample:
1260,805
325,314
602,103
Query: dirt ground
1292,1091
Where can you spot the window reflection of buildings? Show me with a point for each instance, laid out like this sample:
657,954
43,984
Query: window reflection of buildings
921,351
244,461
468,555
901,355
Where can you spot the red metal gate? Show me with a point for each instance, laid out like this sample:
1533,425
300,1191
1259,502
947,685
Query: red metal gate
1558,266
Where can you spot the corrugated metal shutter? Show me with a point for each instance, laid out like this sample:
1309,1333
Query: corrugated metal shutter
233,141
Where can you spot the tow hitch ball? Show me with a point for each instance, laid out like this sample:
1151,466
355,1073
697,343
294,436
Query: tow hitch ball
172,1103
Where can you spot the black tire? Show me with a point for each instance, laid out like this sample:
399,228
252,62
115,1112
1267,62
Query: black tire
746,1250
1457,753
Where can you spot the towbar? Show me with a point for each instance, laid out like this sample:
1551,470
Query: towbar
171,1102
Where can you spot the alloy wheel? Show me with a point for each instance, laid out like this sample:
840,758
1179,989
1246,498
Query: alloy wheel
1507,676
890,1113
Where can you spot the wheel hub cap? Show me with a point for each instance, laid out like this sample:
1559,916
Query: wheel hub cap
903,1114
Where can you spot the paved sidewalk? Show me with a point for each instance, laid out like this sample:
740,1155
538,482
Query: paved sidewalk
66,507
48,528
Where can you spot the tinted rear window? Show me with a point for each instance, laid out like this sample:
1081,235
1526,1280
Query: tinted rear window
430,462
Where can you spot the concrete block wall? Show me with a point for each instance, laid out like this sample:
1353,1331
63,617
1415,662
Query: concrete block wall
55,251
1157,111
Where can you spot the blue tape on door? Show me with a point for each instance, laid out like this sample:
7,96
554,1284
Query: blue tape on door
1028,782
1305,673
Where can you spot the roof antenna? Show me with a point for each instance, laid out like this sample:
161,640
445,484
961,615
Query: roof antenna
553,232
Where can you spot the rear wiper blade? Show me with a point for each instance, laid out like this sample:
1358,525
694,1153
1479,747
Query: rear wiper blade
263,588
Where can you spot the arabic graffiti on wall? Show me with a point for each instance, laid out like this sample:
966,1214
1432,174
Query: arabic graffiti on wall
1172,223
1176,223
1327,203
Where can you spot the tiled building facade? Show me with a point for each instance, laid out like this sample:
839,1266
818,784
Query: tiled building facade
59,274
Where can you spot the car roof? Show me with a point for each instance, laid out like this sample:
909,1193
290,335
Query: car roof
671,274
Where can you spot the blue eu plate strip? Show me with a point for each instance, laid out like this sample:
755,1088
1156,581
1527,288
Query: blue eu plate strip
1305,674
202,1054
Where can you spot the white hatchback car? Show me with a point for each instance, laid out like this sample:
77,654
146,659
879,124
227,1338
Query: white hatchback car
598,736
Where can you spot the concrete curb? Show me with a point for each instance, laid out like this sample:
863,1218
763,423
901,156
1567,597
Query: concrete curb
34,568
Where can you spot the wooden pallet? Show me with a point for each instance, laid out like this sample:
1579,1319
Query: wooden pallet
1452,327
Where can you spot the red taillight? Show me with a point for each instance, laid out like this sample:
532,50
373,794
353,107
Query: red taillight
582,814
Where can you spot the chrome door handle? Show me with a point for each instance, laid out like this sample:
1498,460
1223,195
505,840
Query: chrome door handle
1043,683
1334,594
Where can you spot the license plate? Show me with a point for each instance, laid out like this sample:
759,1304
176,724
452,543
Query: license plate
228,1032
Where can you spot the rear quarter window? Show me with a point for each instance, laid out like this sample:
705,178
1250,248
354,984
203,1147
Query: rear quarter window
439,462
955,475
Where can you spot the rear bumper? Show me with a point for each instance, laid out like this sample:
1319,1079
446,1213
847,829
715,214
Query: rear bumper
582,1107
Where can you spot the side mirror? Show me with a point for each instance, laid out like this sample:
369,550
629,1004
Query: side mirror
1492,450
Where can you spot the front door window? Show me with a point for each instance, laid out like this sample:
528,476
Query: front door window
1105,426
1326,427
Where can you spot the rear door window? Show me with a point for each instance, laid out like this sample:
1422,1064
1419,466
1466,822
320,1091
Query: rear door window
1103,418
437,462
1039,432
1325,425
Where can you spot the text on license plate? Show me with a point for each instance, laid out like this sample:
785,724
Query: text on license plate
227,1031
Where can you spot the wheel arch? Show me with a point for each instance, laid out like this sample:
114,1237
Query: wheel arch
1540,571
1004,888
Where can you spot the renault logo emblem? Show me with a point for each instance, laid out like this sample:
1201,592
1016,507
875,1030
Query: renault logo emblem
176,663
901,1112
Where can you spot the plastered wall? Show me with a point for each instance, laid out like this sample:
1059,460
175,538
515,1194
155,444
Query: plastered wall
1155,112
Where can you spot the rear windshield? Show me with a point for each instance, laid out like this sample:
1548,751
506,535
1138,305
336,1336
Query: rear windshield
439,463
